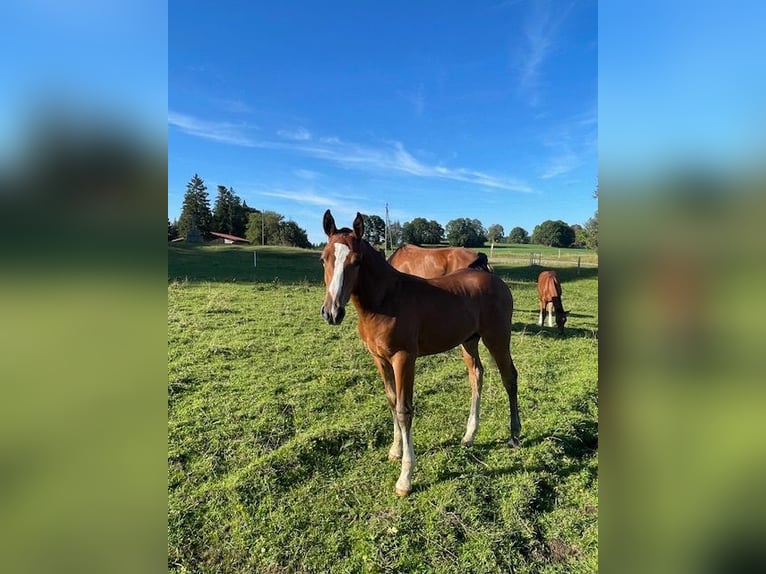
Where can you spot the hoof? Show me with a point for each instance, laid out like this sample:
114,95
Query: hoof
514,443
402,493
466,443
392,456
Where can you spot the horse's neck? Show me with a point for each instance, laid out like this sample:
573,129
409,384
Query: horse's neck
376,281
557,305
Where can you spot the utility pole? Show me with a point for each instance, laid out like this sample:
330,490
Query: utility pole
388,232
263,237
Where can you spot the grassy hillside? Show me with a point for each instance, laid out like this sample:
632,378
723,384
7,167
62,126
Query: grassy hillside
278,431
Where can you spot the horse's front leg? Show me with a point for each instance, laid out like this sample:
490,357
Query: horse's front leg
404,373
389,382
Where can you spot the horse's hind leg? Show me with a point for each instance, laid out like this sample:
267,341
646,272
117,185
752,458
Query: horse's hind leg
387,374
499,348
476,375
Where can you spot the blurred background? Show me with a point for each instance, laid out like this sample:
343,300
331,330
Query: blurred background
83,181
681,194
83,187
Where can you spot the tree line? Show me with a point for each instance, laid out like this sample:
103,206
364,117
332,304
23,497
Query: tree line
231,215
465,232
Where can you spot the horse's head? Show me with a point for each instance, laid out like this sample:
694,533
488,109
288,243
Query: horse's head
561,320
341,259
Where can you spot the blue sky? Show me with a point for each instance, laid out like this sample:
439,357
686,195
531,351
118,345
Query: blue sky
484,110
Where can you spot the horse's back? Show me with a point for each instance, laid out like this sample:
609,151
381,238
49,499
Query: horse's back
429,263
548,286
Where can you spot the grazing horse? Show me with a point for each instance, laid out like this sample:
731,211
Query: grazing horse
435,262
402,317
549,294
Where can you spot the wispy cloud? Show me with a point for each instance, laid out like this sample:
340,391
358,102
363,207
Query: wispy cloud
540,33
570,143
416,98
299,134
560,165
223,132
306,174
390,157
303,197
235,106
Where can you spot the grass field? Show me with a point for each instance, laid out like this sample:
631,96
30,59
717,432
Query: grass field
278,431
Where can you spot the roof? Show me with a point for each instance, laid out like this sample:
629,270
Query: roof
229,237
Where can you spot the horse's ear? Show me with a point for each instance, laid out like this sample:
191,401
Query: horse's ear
328,221
359,225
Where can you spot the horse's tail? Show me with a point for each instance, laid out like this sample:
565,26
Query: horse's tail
481,262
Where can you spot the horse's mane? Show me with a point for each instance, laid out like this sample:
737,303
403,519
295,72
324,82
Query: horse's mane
481,262
369,250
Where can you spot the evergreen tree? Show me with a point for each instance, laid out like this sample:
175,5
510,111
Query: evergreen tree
223,211
196,208
172,230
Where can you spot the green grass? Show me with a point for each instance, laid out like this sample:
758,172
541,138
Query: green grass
278,432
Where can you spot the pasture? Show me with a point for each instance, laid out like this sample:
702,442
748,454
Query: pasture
278,432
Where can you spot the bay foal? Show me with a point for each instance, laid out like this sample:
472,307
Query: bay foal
549,296
402,317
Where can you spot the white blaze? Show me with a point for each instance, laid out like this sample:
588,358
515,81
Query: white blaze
336,284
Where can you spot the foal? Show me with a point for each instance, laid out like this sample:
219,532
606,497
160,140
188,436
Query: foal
402,317
549,295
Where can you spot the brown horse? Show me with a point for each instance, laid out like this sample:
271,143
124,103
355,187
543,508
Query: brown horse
435,262
402,317
549,295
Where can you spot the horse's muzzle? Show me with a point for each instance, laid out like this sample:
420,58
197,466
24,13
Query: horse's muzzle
333,319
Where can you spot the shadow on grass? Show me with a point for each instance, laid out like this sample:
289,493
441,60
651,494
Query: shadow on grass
528,274
269,264
243,264
533,329
578,444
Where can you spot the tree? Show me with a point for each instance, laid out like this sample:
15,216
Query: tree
553,233
395,233
172,230
242,217
435,232
374,229
464,232
580,236
420,231
591,231
291,234
518,235
263,227
196,208
223,211
495,233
